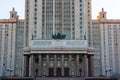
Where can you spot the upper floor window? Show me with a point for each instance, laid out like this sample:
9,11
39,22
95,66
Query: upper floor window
44,61
35,9
51,61
58,61
35,0
81,1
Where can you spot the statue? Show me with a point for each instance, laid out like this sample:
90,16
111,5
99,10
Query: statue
85,36
58,36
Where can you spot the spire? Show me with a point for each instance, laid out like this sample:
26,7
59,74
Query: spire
102,15
102,9
13,14
13,9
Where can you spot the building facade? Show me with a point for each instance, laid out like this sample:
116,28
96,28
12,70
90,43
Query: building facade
106,43
71,56
8,56
110,31
96,43
46,56
20,25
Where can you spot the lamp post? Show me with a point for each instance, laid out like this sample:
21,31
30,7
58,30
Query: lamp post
110,70
10,71
73,75
80,70
106,72
36,73
43,77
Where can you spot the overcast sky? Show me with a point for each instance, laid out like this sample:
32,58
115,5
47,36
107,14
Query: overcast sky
112,7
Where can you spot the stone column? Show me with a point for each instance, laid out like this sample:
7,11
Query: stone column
40,66
26,66
47,68
85,65
77,65
70,66
32,66
91,65
55,64
62,65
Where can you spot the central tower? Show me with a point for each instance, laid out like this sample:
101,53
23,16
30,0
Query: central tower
48,17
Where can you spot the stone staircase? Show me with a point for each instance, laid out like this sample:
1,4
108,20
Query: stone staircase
60,78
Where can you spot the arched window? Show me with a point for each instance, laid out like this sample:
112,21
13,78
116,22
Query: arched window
12,15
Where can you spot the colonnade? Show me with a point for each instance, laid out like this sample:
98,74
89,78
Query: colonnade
83,65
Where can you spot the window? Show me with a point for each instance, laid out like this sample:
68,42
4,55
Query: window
44,61
80,1
80,9
35,9
66,62
35,18
35,5
58,61
80,14
73,61
80,5
35,0
51,61
80,18
35,22
35,14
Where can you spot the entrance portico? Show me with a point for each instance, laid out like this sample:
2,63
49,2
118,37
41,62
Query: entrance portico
60,61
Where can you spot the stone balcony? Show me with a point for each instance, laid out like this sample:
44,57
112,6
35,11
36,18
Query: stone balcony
59,43
59,46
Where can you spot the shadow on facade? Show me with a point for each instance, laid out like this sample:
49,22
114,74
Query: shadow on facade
16,78
58,78
75,78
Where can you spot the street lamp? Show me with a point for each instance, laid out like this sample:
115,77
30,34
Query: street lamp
80,70
110,70
36,73
10,70
43,77
106,72
73,75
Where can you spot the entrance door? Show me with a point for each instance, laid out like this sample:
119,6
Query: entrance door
51,72
66,72
58,72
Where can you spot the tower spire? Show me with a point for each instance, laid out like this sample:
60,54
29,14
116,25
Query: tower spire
13,14
102,15
13,9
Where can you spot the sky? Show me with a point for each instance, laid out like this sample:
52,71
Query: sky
112,7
